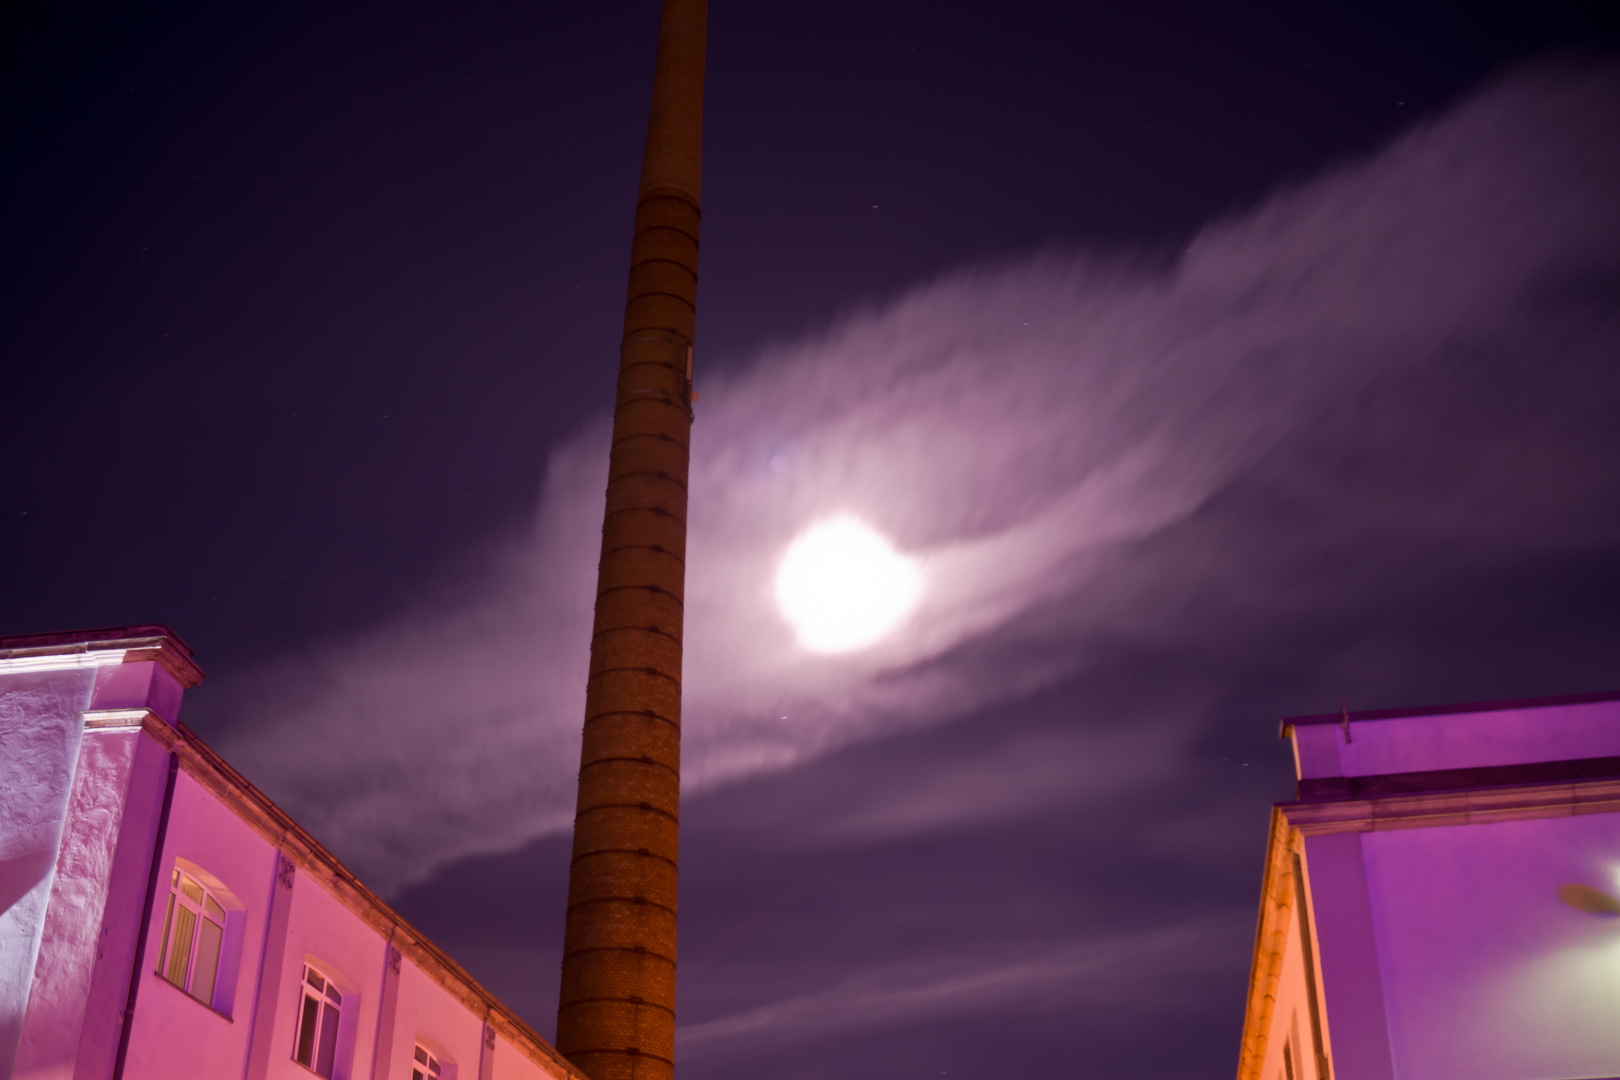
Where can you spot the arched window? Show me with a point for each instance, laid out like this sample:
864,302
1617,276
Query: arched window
319,1013
193,934
426,1065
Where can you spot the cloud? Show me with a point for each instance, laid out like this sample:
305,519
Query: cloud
1110,969
1413,358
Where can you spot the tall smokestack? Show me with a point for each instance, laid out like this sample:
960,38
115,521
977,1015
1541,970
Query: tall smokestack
616,1016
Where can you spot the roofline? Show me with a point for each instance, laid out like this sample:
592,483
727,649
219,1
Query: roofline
1448,710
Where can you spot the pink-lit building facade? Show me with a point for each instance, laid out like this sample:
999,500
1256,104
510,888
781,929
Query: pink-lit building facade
1440,900
159,917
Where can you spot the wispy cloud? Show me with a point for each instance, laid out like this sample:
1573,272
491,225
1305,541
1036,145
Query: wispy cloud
1116,968
1416,353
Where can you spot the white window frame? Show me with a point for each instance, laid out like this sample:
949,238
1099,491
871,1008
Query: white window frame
207,915
425,1064
317,987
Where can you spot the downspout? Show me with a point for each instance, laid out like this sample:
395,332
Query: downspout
127,1021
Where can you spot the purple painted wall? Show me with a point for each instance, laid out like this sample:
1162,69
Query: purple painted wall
1487,976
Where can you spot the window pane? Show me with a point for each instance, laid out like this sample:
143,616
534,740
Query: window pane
416,1074
329,1026
215,912
332,993
314,980
421,1055
306,1031
209,934
168,925
192,890
433,1067
185,923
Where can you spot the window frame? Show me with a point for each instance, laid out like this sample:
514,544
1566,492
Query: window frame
329,998
427,1063
212,907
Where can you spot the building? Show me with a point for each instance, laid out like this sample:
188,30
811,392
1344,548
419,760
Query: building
1439,900
161,917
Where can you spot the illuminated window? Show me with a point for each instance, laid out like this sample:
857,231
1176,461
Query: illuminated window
426,1066
193,931
320,1006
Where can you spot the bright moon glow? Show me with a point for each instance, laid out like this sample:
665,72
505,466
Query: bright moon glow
843,586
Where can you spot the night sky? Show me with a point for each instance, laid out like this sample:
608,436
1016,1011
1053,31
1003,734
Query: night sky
1218,363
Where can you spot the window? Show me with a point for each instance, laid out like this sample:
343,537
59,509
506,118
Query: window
320,1005
193,931
426,1066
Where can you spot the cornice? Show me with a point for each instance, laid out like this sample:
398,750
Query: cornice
114,645
1474,806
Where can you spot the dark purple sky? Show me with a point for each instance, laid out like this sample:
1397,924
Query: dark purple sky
1217,362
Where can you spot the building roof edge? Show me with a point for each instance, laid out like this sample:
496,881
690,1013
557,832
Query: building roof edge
1450,710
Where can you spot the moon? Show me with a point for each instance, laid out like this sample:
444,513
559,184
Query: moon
842,586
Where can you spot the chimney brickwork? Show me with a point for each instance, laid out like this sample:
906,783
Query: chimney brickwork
616,1014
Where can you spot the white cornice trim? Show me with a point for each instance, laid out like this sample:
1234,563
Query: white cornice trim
16,665
115,719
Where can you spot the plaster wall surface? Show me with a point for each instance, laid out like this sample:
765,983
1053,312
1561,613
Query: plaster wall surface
120,921
1352,988
40,727
428,1013
320,930
139,684
69,948
172,1028
1487,976
1463,740
508,1063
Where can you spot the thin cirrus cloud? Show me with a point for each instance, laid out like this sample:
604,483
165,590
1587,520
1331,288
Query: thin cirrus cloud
1419,347
1109,968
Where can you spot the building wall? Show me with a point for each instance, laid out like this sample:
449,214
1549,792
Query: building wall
1434,846
218,847
1486,975
40,728
89,742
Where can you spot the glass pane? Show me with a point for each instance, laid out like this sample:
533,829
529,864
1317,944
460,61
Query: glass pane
185,924
433,1067
214,910
332,993
306,1031
421,1055
168,924
204,967
329,1026
416,1074
192,890
314,980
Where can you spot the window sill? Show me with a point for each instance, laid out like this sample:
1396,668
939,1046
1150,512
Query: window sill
201,1005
